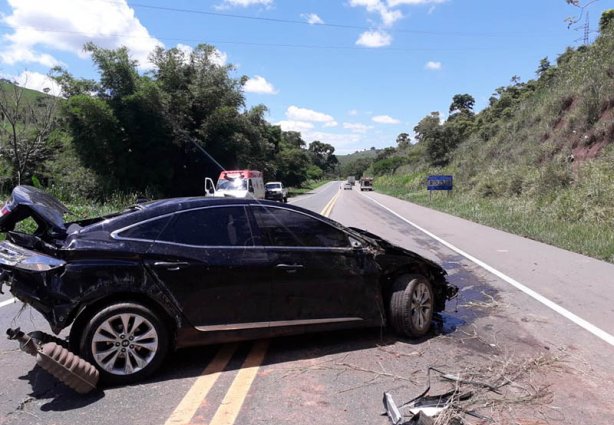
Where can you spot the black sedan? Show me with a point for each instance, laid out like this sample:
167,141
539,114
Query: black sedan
188,271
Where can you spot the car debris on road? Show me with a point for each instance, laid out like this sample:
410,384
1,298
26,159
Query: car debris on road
55,358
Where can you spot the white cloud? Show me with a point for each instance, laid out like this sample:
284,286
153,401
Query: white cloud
67,25
18,54
432,65
219,58
289,125
260,85
356,127
388,15
303,114
37,81
339,141
312,18
374,39
185,49
393,3
385,119
245,3
331,124
353,112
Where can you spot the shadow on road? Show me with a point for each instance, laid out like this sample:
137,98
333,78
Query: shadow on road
62,398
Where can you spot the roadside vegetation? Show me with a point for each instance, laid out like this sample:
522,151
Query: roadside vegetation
306,187
153,134
538,161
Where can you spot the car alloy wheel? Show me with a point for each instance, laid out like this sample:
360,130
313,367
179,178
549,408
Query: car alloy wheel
421,306
412,305
125,342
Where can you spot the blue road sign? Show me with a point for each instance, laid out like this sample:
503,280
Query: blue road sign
439,182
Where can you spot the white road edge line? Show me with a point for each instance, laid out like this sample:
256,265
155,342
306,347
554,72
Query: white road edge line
8,302
600,333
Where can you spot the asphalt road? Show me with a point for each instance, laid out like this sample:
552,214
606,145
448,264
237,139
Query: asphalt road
539,317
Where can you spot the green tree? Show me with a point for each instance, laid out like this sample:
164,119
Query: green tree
385,153
427,127
605,22
462,103
357,167
544,66
403,141
387,165
323,155
148,132
293,166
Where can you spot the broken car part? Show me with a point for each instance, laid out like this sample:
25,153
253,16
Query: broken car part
67,367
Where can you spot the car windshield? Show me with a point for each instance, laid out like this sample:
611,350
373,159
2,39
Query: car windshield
273,185
234,184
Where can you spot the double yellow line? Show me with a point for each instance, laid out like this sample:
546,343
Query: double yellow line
328,208
228,411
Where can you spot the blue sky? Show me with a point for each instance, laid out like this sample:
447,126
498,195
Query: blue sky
353,73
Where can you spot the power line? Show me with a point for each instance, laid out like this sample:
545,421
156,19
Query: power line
324,24
249,43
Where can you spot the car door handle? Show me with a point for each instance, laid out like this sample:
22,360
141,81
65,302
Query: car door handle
171,265
290,268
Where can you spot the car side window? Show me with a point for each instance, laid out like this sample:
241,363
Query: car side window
282,227
148,230
213,226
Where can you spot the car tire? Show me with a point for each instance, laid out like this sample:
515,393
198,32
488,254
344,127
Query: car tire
285,199
412,305
121,356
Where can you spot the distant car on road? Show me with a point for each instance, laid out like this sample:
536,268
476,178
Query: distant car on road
181,272
275,191
347,186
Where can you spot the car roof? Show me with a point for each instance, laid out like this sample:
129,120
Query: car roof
151,209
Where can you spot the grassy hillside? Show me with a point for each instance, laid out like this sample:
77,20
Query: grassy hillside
28,94
539,161
345,159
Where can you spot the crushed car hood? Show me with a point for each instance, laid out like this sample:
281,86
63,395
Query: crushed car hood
28,201
392,249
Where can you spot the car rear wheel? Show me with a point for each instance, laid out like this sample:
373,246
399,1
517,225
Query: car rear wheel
412,305
125,341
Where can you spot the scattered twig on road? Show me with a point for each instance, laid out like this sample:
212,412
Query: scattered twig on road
491,303
505,388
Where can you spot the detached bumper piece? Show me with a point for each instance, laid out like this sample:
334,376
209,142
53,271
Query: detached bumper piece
50,355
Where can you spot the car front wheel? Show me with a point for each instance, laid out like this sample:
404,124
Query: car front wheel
125,341
412,305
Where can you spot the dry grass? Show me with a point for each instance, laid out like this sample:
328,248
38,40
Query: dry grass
500,392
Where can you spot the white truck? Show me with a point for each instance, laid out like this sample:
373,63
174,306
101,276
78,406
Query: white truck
276,191
366,183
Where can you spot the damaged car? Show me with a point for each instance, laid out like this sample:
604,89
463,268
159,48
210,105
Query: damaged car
173,273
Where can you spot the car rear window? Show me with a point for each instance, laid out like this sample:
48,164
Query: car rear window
148,230
215,226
